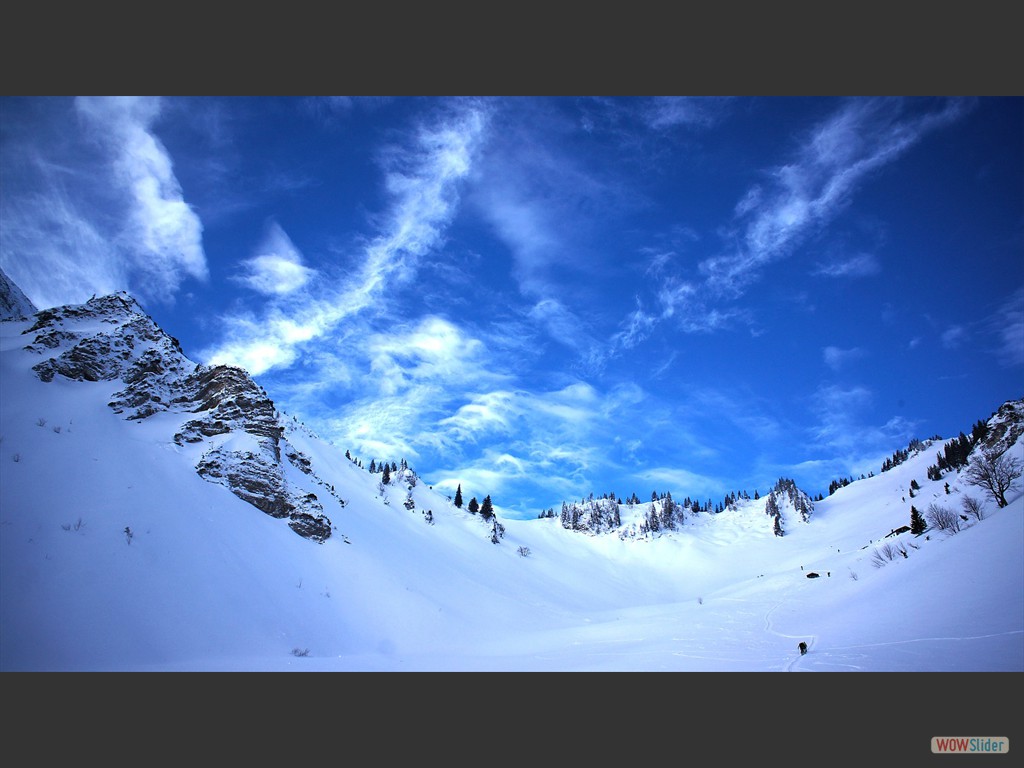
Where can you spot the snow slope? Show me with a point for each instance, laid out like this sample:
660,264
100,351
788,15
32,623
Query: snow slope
13,302
206,581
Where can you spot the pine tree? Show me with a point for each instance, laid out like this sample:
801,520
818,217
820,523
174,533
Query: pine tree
653,523
668,508
917,523
777,529
474,506
373,466
387,474
458,496
486,509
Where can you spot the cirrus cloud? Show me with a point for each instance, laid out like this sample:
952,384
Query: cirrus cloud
277,269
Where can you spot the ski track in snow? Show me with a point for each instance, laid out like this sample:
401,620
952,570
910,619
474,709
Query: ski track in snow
927,640
810,639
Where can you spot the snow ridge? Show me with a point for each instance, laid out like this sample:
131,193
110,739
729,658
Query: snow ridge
14,304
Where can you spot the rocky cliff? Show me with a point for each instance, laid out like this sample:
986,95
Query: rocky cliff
240,435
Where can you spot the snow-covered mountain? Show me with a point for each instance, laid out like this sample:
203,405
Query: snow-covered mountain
13,303
149,508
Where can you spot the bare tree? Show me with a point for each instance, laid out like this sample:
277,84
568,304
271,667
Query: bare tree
942,518
972,507
996,473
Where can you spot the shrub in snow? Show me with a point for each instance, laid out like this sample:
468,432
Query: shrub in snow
972,507
943,518
497,531
887,552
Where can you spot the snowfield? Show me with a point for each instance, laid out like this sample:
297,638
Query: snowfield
117,555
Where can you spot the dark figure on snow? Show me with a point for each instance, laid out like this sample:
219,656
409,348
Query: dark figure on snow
803,648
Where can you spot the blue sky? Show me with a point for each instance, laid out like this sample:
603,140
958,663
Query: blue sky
540,298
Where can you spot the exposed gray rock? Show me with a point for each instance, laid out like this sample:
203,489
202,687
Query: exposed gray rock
111,338
1005,426
253,477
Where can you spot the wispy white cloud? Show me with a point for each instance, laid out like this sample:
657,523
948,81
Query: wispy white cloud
530,233
423,181
97,208
641,120
665,366
162,234
844,427
658,261
513,477
397,389
806,193
775,216
434,350
675,296
861,265
567,436
637,327
672,479
954,336
547,204
836,357
263,343
55,253
999,331
561,324
751,201
664,112
486,413
277,268
743,410
562,413
836,408
329,107
1008,325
